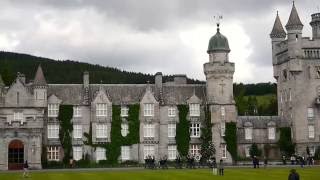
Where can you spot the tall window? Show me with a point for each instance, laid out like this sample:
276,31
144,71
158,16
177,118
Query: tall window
148,130
281,99
53,110
194,149
171,130
247,151
148,109
312,150
148,150
172,152
224,151
53,153
310,114
248,133
77,153
101,109
101,131
124,129
311,131
77,131
76,111
172,112
271,133
53,131
223,112
223,128
194,109
100,154
290,95
195,130
124,111
125,153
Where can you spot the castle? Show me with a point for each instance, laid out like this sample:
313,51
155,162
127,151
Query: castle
29,110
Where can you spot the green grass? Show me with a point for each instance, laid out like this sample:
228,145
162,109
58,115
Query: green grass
201,174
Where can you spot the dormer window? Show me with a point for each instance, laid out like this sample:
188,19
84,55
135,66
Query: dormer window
101,110
148,109
53,110
194,109
124,111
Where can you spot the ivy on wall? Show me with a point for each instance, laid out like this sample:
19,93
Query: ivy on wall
231,139
66,128
207,147
134,125
182,131
287,147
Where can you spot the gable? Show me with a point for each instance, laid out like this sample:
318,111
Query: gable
53,99
148,97
18,95
101,97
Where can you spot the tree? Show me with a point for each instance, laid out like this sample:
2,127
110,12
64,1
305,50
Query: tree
308,150
207,147
287,147
231,140
254,150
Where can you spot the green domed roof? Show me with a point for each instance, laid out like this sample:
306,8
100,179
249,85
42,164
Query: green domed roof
218,42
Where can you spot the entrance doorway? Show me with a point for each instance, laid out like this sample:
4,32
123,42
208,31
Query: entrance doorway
15,155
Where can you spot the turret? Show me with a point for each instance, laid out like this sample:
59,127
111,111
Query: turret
40,88
277,35
315,24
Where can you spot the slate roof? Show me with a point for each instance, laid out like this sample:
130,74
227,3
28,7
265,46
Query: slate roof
294,19
39,79
260,121
277,30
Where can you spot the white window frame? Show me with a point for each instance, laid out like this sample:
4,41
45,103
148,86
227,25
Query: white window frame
223,151
194,109
53,110
311,131
223,128
100,154
124,129
77,111
101,109
148,109
248,131
124,111
53,153
125,153
271,133
148,150
223,112
77,131
172,112
310,113
148,130
77,152
172,130
194,149
195,130
247,151
101,131
18,116
53,131
312,150
172,152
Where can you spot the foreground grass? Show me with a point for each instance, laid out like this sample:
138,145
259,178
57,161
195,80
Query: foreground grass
201,174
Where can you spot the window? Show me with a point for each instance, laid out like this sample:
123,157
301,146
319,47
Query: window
148,150
271,133
53,153
247,151
194,149
223,128
148,130
281,97
223,112
77,153
124,111
53,110
290,96
172,152
171,112
100,154
125,153
77,131
53,131
195,130
101,110
311,131
310,114
76,111
18,116
223,151
171,130
194,109
148,109
248,133
312,150
124,129
101,131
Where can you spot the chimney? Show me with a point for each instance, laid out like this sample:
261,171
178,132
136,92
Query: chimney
86,81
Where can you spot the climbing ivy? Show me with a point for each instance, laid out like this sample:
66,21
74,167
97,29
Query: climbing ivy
134,125
182,131
207,147
287,147
231,139
66,128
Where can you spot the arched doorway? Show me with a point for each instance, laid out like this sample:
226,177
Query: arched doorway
15,155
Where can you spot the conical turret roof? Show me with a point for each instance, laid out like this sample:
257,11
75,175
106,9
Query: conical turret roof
39,79
277,30
294,21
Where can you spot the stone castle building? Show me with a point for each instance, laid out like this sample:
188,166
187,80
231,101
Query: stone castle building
29,110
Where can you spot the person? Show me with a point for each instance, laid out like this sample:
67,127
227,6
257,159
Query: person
254,161
25,169
293,175
265,162
214,167
292,159
221,168
284,162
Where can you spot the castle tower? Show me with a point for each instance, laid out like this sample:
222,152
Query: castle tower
315,24
219,81
40,88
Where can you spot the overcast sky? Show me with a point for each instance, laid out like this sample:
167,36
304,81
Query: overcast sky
148,36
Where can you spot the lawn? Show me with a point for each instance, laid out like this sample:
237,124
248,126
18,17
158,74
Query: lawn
172,174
